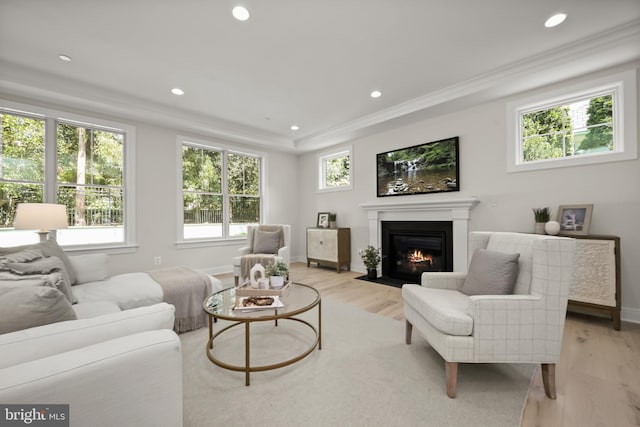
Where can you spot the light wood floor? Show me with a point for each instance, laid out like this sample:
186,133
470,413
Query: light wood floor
597,379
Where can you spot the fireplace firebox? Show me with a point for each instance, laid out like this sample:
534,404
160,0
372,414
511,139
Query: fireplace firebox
410,248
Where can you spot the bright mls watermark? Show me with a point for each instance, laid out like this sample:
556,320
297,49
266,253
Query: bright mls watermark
34,415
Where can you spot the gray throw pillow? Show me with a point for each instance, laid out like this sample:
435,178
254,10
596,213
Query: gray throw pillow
266,242
30,306
491,273
48,248
45,267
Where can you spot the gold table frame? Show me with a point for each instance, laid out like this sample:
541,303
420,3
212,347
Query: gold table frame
257,316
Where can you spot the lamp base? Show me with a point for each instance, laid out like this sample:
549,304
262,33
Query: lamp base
44,234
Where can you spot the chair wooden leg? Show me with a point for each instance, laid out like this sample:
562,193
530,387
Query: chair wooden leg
549,379
451,372
408,329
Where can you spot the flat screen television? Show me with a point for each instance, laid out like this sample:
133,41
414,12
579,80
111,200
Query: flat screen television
426,168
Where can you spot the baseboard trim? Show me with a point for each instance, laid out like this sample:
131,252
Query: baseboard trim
628,314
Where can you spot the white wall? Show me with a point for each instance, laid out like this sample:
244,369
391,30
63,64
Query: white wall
156,165
506,199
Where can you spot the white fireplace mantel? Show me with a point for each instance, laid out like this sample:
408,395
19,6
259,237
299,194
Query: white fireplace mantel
455,210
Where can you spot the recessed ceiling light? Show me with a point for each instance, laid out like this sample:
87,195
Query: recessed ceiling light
177,91
65,58
556,19
295,127
240,13
376,94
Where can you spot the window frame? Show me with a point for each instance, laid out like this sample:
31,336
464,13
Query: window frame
622,87
225,149
323,158
52,117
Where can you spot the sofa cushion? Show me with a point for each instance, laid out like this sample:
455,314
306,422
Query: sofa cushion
25,307
129,290
90,268
48,248
95,309
444,309
491,273
35,343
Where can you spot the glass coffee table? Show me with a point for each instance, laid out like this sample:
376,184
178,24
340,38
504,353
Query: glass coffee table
297,299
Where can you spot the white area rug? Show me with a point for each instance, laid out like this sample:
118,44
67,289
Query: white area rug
365,375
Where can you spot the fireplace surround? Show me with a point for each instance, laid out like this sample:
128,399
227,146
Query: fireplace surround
454,210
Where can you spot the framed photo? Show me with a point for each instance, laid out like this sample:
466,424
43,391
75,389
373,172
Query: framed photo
323,220
426,168
574,220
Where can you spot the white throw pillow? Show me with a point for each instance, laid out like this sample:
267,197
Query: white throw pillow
90,268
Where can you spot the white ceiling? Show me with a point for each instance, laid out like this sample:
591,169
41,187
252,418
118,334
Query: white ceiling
310,63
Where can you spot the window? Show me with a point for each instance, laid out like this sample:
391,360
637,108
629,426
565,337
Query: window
21,169
221,191
335,171
77,162
90,182
590,123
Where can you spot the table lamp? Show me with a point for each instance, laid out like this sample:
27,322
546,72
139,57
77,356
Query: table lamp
43,217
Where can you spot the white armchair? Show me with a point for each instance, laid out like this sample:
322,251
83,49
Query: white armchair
283,254
524,327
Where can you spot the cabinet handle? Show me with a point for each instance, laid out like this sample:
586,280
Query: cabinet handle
321,242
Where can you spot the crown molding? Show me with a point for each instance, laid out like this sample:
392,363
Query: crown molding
26,83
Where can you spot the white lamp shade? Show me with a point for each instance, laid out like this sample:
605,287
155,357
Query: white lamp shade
40,216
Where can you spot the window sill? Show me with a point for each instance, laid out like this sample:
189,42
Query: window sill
109,249
230,241
334,189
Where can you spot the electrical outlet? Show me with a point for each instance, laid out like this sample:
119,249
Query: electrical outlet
157,260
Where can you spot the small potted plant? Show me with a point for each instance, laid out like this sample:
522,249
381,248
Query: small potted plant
277,273
332,220
371,258
542,216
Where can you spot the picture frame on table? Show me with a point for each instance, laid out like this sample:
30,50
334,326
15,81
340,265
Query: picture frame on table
574,220
323,220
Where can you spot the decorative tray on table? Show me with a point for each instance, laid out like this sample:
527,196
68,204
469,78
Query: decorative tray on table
247,291
258,303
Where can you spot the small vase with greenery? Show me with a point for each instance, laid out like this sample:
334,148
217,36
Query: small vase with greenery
542,216
371,258
278,272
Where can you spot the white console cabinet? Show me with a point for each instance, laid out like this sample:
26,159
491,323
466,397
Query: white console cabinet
329,246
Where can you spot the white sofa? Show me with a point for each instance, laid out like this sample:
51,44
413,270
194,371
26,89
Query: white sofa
121,368
118,363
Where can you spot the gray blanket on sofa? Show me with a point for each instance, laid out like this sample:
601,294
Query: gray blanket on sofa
186,289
